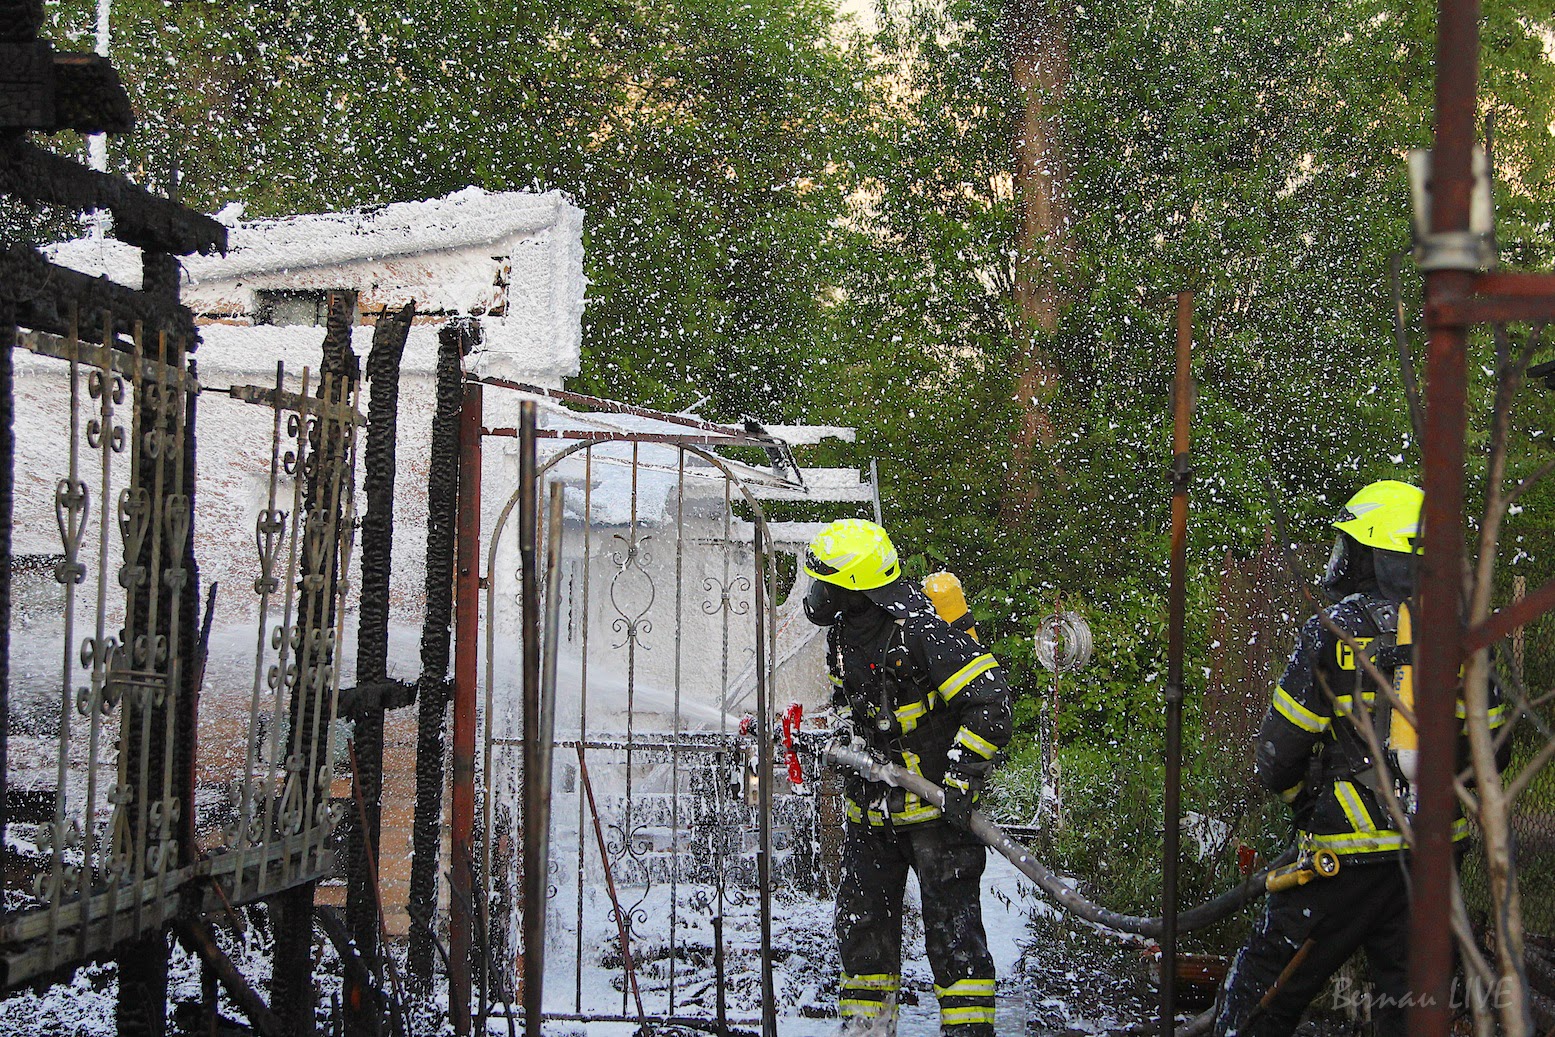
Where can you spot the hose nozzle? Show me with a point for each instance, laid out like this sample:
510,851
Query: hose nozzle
1315,864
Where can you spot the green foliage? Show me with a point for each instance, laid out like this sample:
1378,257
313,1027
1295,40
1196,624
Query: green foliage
703,138
786,221
1252,153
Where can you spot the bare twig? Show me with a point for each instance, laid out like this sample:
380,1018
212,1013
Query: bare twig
1460,786
1519,784
1406,362
1529,482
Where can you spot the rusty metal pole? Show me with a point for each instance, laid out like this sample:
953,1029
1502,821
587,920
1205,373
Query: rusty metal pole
762,729
537,793
1176,609
535,783
466,648
1440,651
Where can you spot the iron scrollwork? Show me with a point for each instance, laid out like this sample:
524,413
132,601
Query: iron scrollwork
632,565
725,601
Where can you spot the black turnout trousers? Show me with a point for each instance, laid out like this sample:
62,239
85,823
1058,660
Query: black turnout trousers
949,863
1365,906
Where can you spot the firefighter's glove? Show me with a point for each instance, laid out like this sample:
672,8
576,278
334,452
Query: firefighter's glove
960,800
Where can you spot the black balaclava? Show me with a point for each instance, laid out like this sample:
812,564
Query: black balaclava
859,620
826,603
1351,568
1395,574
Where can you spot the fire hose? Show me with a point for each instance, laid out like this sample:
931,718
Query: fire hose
1287,871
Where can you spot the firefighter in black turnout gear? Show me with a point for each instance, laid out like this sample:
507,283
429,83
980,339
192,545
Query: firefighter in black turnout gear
1310,753
930,699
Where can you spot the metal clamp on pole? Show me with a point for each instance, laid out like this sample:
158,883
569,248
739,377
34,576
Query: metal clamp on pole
1471,250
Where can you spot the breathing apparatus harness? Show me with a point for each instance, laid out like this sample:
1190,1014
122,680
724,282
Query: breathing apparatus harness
1352,759
882,731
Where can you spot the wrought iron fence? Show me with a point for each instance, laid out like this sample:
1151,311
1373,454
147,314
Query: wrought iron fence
109,756
303,538
104,740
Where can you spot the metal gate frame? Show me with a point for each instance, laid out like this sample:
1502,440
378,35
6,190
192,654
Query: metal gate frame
470,915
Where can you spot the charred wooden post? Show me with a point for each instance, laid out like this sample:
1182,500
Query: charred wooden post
361,1009
197,936
454,341
47,91
311,716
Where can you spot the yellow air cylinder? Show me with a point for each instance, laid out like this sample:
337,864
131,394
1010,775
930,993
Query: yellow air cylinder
944,590
1402,737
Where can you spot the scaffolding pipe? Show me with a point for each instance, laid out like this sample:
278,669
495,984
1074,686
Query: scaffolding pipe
1176,609
1440,652
872,768
461,813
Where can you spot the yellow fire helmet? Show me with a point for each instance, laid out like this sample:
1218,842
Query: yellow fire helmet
1384,515
853,553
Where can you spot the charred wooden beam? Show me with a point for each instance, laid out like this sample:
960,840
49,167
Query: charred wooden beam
455,339
196,935
140,218
26,85
20,19
359,701
37,293
358,976
48,91
377,538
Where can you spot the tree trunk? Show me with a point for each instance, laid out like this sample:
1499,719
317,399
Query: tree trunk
1037,44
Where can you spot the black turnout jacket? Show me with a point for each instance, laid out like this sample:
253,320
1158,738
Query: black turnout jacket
1309,750
927,696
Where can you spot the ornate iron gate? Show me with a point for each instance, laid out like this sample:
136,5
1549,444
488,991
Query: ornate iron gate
303,536
658,881
129,827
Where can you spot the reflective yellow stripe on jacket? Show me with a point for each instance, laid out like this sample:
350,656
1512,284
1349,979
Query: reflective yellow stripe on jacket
977,743
1351,843
1354,810
1298,714
966,675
